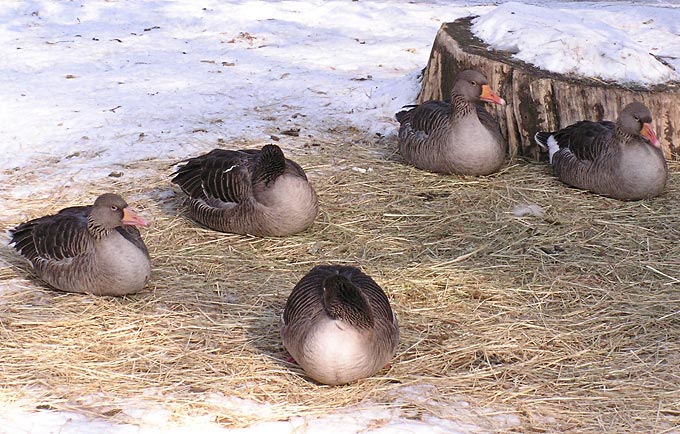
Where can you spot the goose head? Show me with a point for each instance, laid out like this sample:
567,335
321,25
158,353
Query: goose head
110,211
636,120
473,86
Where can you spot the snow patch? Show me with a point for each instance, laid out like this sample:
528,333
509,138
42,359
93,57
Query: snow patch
561,40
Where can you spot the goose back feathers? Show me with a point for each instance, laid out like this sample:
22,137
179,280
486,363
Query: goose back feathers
338,325
621,159
457,136
257,192
88,249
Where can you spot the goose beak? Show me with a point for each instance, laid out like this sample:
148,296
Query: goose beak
131,218
489,95
648,133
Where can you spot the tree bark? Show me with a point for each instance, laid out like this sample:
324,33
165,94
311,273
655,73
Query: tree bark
538,100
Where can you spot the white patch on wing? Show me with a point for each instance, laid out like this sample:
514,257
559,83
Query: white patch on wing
552,147
231,168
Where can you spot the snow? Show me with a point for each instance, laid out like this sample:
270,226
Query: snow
456,417
104,83
618,46
89,87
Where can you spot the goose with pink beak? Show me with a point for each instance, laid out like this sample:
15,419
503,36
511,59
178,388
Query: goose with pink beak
457,136
621,159
95,249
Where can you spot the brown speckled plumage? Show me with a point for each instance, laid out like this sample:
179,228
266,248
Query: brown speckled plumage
456,136
622,160
87,249
257,192
338,325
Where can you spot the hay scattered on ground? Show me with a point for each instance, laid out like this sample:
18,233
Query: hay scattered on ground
575,316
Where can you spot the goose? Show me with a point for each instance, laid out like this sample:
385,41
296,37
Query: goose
256,192
338,325
456,136
622,160
94,249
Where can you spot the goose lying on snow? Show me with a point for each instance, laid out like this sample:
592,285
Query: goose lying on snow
338,325
454,137
622,160
90,249
257,192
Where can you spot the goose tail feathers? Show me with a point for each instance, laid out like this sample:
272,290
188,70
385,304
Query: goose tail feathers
546,140
405,115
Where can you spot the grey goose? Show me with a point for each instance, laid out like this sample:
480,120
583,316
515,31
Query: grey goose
338,325
622,160
457,136
252,191
93,249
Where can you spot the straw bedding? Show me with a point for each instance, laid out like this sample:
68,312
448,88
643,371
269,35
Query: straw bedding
570,321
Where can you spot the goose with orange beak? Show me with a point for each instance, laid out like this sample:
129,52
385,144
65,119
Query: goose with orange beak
621,159
457,136
94,249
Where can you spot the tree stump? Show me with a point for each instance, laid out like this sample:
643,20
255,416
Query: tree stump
538,100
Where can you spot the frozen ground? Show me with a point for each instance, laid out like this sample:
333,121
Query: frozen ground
457,417
91,86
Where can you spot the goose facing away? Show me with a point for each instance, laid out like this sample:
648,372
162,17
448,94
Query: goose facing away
457,136
88,249
622,160
338,325
257,192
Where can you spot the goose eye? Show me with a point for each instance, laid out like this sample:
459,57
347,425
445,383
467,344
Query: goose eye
474,83
114,208
637,119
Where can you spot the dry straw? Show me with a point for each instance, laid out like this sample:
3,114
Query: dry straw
570,321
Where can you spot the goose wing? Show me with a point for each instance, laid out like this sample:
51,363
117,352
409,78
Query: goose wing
132,234
426,117
220,174
587,140
306,298
55,237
